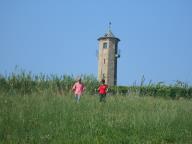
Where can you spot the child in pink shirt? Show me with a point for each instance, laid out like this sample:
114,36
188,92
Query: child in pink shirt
78,88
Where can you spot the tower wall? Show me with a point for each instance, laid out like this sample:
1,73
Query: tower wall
107,61
112,61
102,61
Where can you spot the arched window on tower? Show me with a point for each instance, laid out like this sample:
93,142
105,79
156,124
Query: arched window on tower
105,45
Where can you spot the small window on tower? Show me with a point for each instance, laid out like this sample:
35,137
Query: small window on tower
104,45
103,76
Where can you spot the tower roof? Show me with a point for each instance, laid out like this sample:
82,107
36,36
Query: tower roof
109,34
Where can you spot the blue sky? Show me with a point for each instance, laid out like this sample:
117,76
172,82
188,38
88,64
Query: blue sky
60,37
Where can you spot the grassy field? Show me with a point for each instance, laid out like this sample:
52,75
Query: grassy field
52,118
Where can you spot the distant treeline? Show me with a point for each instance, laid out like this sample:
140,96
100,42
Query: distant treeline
155,90
26,83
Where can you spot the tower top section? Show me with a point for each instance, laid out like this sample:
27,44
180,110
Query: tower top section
109,34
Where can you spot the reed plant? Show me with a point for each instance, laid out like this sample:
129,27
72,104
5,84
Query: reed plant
28,83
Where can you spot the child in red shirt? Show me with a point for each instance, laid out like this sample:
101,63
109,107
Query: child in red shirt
103,91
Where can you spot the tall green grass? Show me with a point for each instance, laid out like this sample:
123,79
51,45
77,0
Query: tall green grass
27,83
54,118
41,109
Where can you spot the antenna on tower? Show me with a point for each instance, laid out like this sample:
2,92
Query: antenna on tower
109,26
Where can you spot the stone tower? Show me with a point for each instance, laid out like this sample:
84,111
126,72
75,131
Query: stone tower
107,57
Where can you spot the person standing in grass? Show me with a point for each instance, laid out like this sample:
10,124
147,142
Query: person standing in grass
103,88
78,88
